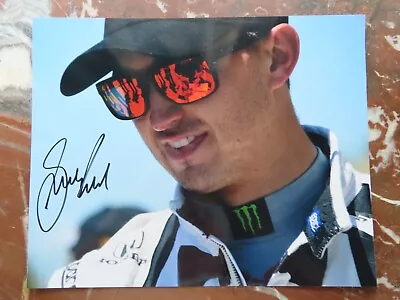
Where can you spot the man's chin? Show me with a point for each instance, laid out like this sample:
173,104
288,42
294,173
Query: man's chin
197,178
198,185
201,189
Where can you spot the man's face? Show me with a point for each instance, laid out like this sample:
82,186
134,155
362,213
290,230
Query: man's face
216,142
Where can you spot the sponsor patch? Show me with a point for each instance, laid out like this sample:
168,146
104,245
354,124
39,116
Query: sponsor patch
314,221
250,220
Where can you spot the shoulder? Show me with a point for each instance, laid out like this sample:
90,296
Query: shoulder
150,225
361,187
360,205
140,236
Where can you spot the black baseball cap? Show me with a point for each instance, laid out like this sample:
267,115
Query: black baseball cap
172,38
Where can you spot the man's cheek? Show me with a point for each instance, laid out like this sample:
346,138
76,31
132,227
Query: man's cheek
144,130
150,141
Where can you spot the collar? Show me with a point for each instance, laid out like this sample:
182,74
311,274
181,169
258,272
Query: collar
329,216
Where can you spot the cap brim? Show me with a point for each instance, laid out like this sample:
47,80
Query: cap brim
85,70
162,37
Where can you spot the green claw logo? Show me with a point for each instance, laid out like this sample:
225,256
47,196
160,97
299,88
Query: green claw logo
247,222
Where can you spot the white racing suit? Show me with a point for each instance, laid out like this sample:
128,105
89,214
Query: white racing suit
164,249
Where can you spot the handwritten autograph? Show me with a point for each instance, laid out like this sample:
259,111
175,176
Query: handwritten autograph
125,251
60,181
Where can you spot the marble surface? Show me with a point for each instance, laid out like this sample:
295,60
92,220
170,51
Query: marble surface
383,67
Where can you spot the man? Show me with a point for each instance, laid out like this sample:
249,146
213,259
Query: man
261,200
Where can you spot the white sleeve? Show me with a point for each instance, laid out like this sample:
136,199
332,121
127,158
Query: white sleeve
56,279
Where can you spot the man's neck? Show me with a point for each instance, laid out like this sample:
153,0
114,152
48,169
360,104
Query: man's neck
205,210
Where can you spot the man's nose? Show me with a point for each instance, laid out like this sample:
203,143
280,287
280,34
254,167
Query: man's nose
164,114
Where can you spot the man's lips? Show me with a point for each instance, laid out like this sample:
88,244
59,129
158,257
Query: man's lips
180,147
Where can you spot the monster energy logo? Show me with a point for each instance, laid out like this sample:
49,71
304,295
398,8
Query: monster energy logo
245,215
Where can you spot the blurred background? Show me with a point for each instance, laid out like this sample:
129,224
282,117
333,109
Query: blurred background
328,88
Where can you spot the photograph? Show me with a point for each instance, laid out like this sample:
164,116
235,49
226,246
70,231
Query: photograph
200,152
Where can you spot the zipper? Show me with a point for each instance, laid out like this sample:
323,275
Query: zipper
234,273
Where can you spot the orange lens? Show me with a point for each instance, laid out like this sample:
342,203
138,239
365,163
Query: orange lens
186,82
124,97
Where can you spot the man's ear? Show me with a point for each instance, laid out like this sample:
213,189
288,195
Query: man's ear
284,48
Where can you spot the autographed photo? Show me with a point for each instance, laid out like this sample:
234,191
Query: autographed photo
200,152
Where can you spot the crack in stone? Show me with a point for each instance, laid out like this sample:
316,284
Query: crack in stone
389,232
387,200
385,282
270,291
388,154
385,242
15,147
60,7
16,129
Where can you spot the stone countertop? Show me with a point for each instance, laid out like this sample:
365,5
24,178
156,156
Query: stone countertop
383,67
